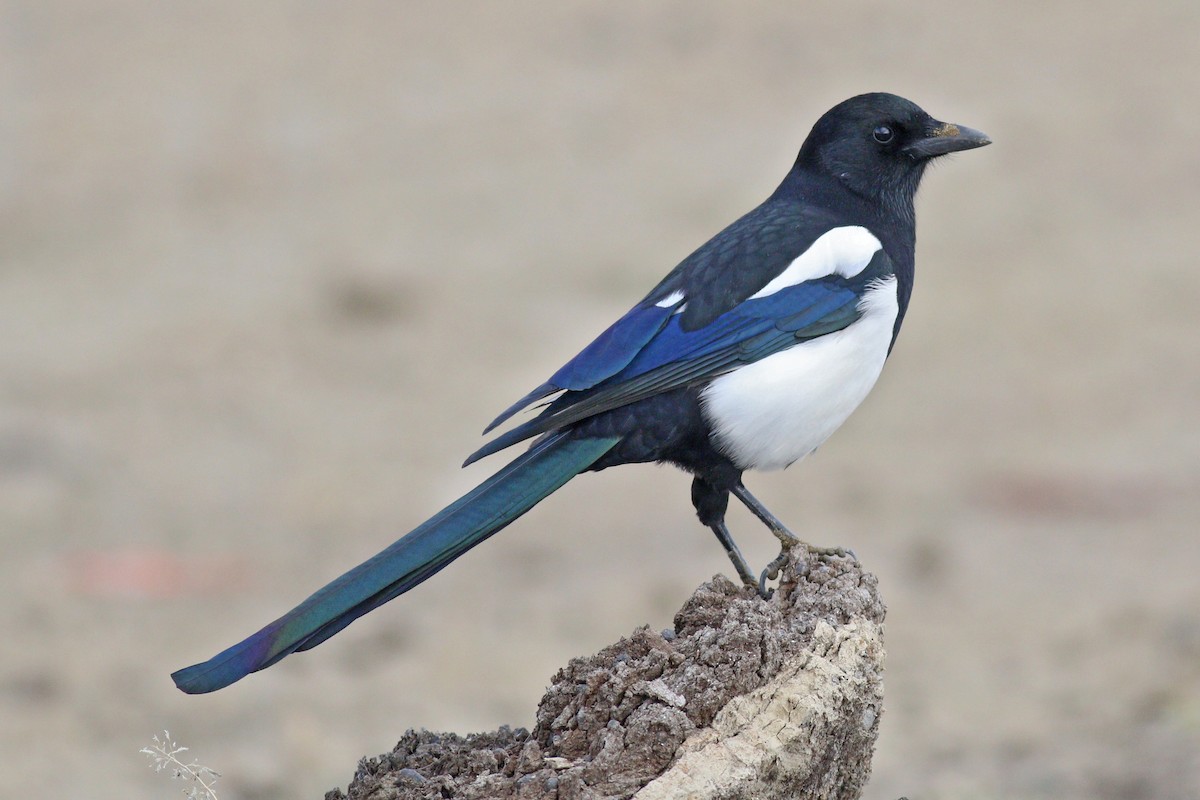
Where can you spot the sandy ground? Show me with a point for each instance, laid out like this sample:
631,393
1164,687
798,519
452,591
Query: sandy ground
264,276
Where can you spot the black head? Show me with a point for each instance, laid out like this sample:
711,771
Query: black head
877,145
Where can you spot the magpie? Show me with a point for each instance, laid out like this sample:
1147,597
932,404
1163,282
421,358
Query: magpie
748,355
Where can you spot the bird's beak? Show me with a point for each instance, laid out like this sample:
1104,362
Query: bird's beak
945,137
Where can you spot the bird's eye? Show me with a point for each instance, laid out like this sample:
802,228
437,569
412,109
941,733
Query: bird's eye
883,134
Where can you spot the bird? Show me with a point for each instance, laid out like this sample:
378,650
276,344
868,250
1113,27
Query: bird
747,356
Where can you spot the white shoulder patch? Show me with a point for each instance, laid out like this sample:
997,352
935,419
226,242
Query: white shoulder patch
844,251
670,300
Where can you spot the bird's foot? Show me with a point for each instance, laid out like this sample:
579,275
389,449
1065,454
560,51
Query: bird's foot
787,539
832,552
772,571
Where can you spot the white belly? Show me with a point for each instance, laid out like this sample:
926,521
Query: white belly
773,412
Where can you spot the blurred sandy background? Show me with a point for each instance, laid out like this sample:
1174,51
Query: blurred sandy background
265,274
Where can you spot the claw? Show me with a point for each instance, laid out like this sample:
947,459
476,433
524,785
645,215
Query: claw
772,572
763,591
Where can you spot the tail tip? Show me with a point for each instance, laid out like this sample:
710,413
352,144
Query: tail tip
187,682
206,677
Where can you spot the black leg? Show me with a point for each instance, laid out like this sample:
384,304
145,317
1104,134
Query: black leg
711,504
780,530
735,555
786,537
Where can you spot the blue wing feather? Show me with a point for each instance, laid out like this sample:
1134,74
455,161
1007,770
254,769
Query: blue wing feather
675,357
608,354
788,311
611,351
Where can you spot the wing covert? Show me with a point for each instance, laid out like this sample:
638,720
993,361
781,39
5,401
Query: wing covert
673,357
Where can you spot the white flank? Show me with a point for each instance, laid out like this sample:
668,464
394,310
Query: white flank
843,251
771,413
670,300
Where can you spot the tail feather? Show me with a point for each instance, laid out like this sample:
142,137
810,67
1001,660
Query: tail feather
489,507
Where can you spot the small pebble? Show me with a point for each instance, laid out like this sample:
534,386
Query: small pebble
410,775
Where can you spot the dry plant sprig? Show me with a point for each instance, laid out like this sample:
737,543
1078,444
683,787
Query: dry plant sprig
164,754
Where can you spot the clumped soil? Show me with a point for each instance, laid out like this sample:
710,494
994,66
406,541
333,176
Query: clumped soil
612,722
